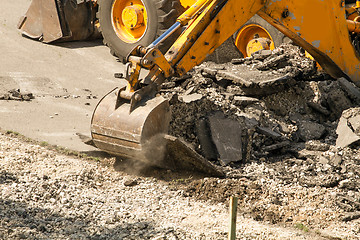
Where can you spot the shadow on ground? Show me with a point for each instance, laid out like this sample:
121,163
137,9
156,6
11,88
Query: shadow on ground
80,44
21,221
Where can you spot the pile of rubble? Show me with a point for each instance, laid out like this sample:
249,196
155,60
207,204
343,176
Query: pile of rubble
17,95
273,104
272,119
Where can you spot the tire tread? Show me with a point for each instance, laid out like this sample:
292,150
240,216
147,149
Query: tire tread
167,13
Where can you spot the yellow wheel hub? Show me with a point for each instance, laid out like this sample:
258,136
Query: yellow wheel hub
129,19
257,44
132,17
252,38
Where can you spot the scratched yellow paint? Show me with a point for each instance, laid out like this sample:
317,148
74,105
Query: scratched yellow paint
320,27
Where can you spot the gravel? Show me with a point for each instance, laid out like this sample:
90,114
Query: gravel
46,195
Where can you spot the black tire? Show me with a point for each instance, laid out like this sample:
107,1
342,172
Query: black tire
277,37
161,15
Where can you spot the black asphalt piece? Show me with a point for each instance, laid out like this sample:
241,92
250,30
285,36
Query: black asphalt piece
350,89
310,130
226,134
268,132
244,101
207,147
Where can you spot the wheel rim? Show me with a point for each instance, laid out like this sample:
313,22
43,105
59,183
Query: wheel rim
252,38
129,19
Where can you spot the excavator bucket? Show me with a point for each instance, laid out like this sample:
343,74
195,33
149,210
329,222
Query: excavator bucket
41,21
59,20
136,134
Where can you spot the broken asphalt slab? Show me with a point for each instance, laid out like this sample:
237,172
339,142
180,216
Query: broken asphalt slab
226,134
181,156
348,128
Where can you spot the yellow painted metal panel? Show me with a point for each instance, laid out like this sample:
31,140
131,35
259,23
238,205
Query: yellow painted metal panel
187,3
320,28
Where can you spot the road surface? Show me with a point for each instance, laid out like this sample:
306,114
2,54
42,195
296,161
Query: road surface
67,79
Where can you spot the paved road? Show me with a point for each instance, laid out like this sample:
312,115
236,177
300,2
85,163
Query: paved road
62,77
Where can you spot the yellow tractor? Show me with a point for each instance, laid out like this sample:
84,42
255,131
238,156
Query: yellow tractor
130,121
125,24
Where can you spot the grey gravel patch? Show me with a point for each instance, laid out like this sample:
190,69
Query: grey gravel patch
44,195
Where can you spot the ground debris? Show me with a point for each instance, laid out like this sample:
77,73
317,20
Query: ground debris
276,146
130,183
17,95
350,88
316,146
286,59
351,216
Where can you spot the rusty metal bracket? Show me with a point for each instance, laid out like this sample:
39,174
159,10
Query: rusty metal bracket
155,57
